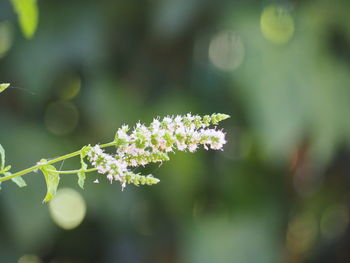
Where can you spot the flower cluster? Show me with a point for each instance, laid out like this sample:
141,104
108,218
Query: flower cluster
116,168
151,144
105,163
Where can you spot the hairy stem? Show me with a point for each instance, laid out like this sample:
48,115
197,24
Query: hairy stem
74,171
58,159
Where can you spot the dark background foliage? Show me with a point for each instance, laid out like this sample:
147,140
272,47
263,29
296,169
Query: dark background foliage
279,192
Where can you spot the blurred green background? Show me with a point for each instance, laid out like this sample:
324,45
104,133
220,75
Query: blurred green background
279,192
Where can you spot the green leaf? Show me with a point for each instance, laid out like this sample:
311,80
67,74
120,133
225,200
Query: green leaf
17,180
5,170
81,177
52,179
28,15
81,174
4,86
2,158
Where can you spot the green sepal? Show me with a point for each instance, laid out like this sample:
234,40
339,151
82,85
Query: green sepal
206,120
138,179
168,139
186,121
140,143
197,121
217,117
52,179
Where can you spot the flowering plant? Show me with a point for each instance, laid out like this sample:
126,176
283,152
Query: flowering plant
138,147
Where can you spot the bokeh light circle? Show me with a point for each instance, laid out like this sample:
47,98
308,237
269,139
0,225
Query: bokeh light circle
61,117
302,233
334,221
226,50
67,208
277,25
29,259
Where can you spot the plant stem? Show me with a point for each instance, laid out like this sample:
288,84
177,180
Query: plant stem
58,159
75,171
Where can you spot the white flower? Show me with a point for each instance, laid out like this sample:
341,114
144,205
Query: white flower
215,139
122,132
